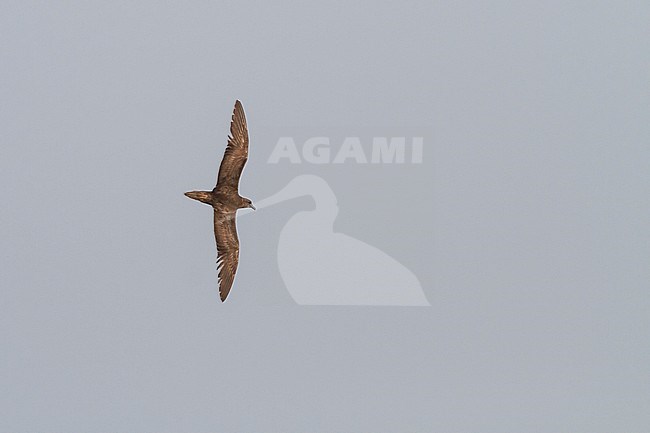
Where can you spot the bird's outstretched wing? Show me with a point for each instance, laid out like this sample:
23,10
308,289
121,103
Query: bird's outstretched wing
225,232
236,153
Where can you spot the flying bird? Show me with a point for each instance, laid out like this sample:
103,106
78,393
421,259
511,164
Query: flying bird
225,200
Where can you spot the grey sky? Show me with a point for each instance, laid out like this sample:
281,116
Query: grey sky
526,223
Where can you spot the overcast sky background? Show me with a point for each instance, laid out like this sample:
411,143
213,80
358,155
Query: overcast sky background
526,223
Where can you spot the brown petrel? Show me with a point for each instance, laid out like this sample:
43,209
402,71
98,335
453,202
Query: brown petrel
225,200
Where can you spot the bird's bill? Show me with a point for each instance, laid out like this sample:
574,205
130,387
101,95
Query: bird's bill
251,206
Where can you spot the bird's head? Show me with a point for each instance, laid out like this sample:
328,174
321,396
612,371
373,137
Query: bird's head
246,203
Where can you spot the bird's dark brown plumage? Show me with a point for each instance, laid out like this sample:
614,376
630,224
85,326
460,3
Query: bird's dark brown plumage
225,233
236,154
225,200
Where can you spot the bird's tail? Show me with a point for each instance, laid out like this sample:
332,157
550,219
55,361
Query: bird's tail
202,196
